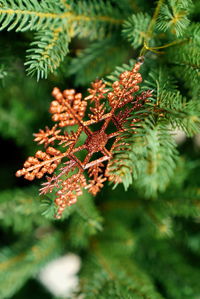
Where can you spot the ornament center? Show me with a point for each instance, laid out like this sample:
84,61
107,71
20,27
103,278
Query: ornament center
96,141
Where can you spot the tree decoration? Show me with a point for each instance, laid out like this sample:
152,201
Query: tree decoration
110,110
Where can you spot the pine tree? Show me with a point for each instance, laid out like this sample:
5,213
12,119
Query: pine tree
138,237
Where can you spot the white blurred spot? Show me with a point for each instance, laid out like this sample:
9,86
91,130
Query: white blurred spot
60,276
179,136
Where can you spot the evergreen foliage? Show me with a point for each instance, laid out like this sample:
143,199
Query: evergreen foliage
151,154
174,16
139,238
52,20
135,29
22,203
22,263
90,62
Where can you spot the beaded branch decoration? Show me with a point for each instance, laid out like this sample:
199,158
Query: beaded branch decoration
109,110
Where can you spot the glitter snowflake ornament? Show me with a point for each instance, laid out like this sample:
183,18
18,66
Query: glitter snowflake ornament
109,111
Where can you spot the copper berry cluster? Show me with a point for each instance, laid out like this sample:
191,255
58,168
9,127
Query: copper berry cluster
109,110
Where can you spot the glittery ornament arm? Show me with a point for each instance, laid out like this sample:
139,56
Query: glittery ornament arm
69,109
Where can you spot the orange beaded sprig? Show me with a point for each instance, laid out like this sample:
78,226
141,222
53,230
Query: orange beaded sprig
109,109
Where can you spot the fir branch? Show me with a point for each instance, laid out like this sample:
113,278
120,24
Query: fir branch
159,79
100,21
86,222
33,15
19,263
174,16
55,24
29,15
11,125
119,69
193,34
180,113
17,204
186,203
114,279
179,278
152,154
158,159
186,65
18,108
135,29
49,49
98,59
